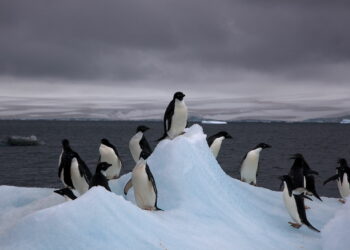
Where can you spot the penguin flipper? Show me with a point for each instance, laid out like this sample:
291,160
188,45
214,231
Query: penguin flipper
127,187
332,178
145,145
168,115
151,179
299,200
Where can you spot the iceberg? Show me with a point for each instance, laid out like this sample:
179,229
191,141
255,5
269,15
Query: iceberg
213,122
203,209
22,140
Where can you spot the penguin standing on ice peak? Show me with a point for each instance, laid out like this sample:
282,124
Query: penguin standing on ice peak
145,189
294,202
66,193
138,143
215,141
109,154
100,179
72,170
175,117
250,164
343,179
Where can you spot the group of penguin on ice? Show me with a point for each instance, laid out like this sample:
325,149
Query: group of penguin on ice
298,185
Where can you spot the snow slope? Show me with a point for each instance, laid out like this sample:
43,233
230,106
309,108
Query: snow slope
204,209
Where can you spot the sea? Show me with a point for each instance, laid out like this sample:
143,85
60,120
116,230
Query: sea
37,166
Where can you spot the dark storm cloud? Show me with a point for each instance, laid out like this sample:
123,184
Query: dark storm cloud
174,40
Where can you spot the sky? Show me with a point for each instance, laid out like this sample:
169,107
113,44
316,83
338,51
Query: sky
119,59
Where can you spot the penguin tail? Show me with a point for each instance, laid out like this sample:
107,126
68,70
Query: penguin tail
317,196
163,137
159,209
308,224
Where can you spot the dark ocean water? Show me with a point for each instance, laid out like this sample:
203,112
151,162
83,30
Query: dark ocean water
36,166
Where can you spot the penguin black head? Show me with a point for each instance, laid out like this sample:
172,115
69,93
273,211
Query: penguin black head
65,144
262,145
287,179
144,155
342,162
102,166
223,134
179,96
142,128
297,156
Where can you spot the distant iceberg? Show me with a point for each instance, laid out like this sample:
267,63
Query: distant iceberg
213,122
22,140
204,208
345,121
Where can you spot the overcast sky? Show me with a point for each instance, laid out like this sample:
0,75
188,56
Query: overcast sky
276,51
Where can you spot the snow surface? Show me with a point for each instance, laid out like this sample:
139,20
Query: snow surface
203,209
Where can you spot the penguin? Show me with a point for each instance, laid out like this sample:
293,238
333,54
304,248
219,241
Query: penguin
66,193
294,202
99,179
145,189
215,141
66,161
301,173
175,117
128,185
139,143
343,179
250,164
109,154
80,174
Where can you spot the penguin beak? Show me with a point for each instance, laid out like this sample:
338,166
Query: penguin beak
228,136
268,146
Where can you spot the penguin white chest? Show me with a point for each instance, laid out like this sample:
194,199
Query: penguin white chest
62,171
249,166
108,155
78,181
290,204
216,146
344,187
134,146
179,119
143,189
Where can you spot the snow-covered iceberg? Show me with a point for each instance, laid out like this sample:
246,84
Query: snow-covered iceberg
203,209
16,140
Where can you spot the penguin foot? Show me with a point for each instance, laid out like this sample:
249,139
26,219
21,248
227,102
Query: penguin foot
342,201
295,225
306,207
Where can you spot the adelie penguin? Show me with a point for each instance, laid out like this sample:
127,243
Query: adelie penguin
145,189
73,171
215,141
109,154
302,175
100,179
250,164
138,143
343,179
66,193
175,117
294,202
